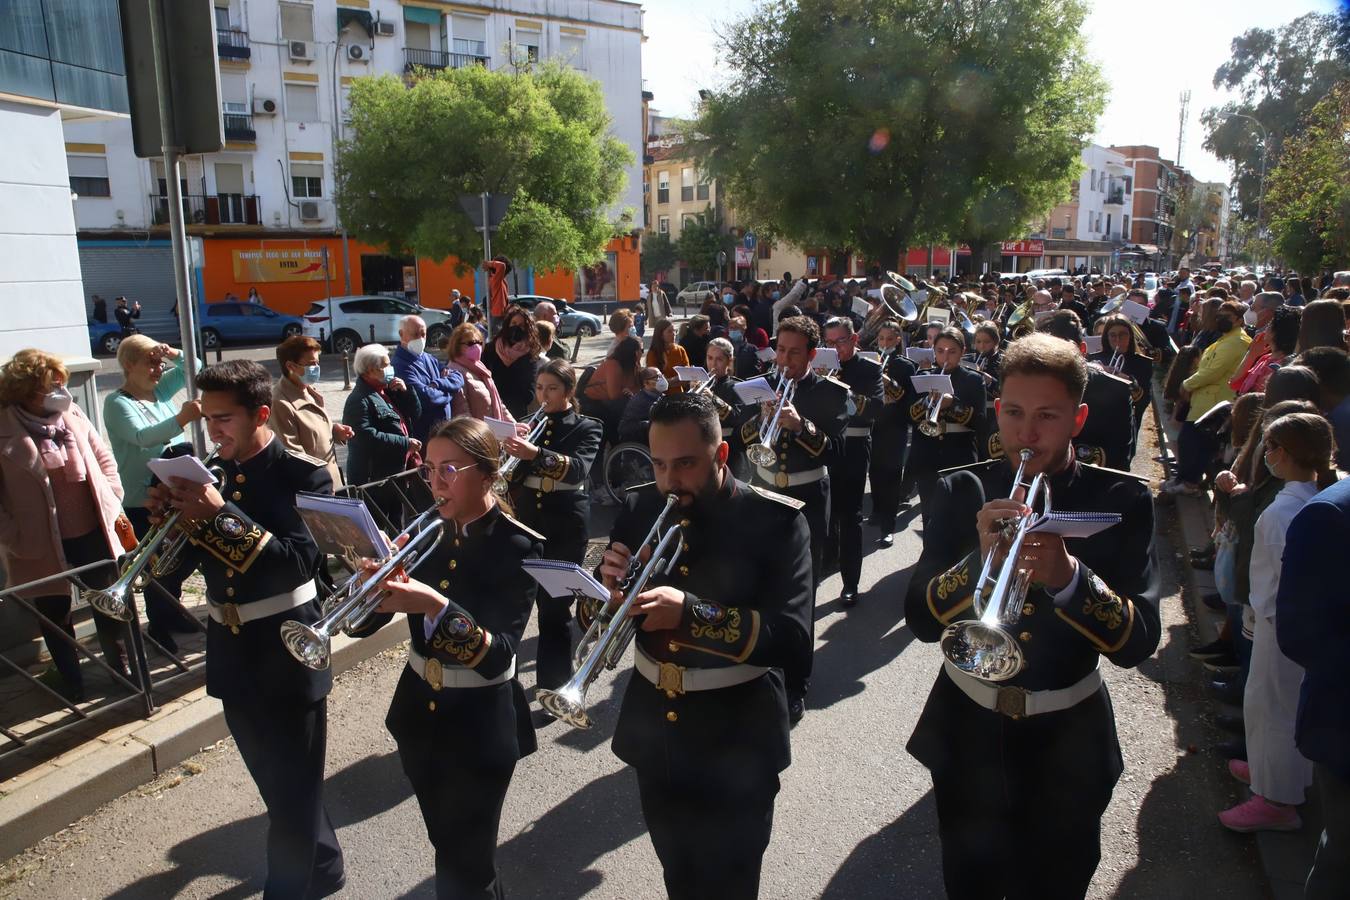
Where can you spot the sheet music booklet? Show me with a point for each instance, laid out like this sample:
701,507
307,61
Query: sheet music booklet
342,527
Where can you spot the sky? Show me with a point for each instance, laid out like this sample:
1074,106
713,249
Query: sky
1149,50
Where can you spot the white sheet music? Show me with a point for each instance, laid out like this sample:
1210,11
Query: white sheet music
939,316
755,390
1094,343
563,579
826,358
925,383
766,355
189,468
1136,311
500,428
873,355
691,373
1074,524
861,307
921,355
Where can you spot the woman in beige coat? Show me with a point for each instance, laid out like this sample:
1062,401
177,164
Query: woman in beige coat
60,500
299,419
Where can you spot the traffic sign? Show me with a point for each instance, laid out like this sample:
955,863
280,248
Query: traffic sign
721,257
749,240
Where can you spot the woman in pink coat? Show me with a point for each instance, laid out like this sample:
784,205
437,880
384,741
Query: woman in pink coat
60,499
478,397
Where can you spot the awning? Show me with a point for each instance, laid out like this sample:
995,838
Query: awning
361,17
1140,250
421,15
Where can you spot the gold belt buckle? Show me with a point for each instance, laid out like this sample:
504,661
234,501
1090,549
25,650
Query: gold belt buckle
433,674
1012,702
229,615
781,479
546,484
670,678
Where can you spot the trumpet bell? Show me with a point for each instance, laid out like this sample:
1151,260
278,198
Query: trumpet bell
566,704
900,281
111,601
898,303
988,652
311,648
1112,305
1018,314
501,487
761,455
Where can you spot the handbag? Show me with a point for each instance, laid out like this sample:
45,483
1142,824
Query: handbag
1225,562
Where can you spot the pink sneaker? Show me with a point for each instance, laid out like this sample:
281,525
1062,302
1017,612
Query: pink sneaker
1239,769
1259,814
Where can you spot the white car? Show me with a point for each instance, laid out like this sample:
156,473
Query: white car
694,294
365,318
1046,273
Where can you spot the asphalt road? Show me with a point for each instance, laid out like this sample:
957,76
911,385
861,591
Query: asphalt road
855,819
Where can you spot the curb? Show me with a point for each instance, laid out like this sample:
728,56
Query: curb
81,780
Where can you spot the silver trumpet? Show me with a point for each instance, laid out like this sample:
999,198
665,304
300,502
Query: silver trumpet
348,607
762,453
986,647
537,423
610,633
1117,362
932,425
157,554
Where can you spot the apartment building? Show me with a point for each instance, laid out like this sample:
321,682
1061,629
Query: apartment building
1086,231
286,70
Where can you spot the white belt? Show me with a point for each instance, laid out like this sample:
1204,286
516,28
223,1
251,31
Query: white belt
953,428
537,484
441,676
858,431
1016,702
232,615
794,479
683,680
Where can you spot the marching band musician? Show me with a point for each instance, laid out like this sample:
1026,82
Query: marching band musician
960,420
259,561
1107,437
1119,344
812,433
1023,769
706,725
848,472
890,433
984,359
730,409
459,715
549,494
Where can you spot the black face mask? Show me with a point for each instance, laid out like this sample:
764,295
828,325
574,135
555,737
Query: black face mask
1224,325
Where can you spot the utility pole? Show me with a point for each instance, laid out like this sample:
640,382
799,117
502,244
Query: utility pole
1181,121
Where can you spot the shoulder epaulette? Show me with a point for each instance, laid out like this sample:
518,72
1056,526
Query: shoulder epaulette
305,457
830,379
522,526
791,502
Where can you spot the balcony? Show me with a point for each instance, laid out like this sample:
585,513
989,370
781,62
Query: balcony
210,209
239,127
1116,197
414,58
231,43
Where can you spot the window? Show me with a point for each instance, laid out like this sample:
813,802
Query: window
223,309
297,22
302,102
572,50
528,42
223,18
1108,223
686,184
306,180
702,187
1125,227
663,224
688,218
662,187
1129,183
765,249
89,176
470,35
1094,179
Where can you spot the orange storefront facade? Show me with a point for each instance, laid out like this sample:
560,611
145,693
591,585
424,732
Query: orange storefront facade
290,273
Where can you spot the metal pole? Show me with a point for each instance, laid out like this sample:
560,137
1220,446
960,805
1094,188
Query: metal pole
328,290
487,255
346,271
187,318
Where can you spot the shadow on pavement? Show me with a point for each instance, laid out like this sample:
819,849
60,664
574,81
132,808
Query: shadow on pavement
865,640
904,859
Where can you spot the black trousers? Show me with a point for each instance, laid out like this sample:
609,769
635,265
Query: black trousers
848,481
554,657
462,810
283,747
710,837
890,448
112,634
929,455
816,496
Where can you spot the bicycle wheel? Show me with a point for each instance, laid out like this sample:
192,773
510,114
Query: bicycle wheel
627,465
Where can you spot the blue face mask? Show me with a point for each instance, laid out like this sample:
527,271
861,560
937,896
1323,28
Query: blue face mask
311,374
728,298
737,336
777,295
388,374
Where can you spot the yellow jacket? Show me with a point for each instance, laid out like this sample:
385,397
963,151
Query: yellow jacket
1209,384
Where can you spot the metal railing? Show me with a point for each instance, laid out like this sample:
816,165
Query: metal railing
209,209
414,57
232,43
394,500
239,127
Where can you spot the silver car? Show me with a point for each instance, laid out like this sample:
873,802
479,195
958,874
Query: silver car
570,320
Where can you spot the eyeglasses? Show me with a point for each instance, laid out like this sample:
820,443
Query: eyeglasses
446,471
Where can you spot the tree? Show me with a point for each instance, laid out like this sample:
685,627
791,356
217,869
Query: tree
542,138
658,255
872,125
1279,75
701,239
1308,200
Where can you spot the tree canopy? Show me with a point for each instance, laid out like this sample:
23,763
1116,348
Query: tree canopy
541,138
1308,199
1279,75
874,125
701,239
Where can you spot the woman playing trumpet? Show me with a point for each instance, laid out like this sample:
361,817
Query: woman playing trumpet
459,715
1121,356
946,424
548,488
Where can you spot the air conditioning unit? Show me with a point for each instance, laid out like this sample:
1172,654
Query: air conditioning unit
263,106
301,50
384,29
358,53
309,211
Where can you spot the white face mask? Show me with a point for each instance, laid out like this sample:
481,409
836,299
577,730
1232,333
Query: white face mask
58,401
1250,317
417,345
661,384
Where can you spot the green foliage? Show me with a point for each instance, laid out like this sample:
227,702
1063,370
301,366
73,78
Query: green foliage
1308,198
658,255
701,240
542,138
880,124
1279,75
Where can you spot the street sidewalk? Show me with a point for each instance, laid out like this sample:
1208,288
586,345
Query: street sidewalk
1286,857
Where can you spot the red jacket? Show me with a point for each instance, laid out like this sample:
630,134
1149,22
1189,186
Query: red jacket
496,287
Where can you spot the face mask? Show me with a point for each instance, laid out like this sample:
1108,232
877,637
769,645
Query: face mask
417,345
662,385
777,295
1250,317
738,336
727,299
1269,468
311,374
388,374
58,401
472,353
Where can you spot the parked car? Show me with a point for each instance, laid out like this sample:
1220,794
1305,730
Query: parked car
694,294
231,322
1046,273
357,320
570,319
104,338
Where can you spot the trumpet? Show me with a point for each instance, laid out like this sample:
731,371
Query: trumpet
1117,362
986,647
762,453
607,639
348,608
154,557
932,426
537,423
